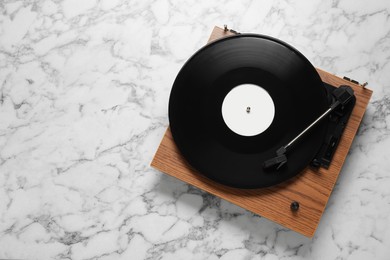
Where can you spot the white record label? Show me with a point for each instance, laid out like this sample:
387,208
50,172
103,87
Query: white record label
248,110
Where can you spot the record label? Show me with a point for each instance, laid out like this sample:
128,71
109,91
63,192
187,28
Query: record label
248,110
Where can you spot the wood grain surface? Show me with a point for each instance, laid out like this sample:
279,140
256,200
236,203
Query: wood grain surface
311,188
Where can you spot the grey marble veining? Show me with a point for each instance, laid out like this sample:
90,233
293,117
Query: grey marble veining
84,88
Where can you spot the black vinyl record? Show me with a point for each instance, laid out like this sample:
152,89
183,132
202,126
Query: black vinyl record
199,129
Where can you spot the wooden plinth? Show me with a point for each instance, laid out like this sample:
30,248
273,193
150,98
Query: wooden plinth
310,188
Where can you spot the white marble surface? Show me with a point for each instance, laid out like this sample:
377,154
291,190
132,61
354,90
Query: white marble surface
83,106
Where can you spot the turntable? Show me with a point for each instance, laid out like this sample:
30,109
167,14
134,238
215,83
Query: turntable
254,123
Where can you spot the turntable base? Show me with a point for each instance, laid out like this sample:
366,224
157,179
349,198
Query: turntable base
311,189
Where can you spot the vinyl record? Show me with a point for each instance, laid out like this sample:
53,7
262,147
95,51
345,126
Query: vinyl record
276,80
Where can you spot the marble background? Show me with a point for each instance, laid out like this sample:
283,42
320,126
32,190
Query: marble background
84,88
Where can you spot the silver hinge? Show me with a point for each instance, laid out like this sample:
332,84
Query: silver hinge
226,29
356,82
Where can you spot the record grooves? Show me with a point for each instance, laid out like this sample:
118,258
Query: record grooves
204,81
